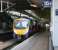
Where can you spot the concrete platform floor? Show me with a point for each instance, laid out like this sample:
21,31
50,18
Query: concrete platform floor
6,43
39,41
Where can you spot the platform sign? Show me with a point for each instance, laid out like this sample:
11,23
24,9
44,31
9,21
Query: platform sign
56,12
47,3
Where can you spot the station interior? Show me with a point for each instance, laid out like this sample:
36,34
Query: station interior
25,25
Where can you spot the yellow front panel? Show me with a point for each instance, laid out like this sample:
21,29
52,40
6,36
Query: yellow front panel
21,31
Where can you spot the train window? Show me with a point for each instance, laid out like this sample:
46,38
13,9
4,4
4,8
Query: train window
21,24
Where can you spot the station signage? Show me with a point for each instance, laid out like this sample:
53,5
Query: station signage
56,12
47,3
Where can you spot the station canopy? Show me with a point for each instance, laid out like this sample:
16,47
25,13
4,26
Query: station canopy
21,4
18,5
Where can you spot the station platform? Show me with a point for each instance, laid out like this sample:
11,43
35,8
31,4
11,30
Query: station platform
6,43
39,41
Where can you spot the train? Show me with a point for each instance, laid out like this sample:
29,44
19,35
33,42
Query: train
6,26
24,27
6,23
21,27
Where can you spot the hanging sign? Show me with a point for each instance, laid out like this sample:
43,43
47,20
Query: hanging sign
47,3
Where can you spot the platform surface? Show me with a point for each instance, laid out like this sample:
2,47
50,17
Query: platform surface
39,41
6,43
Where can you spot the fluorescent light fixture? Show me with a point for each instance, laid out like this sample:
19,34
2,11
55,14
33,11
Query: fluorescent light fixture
33,5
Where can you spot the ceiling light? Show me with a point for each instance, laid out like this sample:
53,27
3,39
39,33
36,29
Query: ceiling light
33,5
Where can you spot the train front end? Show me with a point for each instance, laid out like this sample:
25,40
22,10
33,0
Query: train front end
21,26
